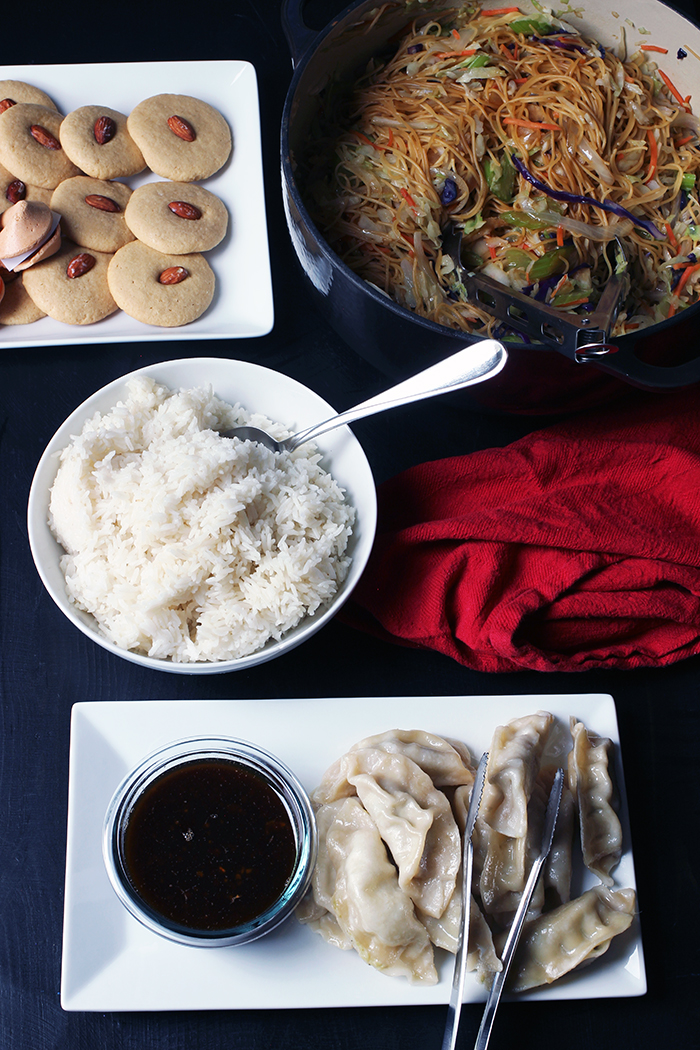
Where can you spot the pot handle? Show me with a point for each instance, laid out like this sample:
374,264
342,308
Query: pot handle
299,36
626,365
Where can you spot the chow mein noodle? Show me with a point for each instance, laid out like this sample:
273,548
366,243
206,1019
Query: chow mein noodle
542,146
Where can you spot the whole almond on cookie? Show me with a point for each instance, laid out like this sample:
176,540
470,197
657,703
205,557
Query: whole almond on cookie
185,210
16,191
79,265
102,203
173,275
104,129
182,128
44,137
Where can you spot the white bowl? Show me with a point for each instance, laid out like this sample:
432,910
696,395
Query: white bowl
258,389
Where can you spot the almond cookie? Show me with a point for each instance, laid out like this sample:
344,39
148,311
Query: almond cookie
13,190
92,212
176,217
17,307
96,139
14,91
30,146
181,138
159,289
72,285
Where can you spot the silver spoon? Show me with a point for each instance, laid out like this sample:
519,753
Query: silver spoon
473,364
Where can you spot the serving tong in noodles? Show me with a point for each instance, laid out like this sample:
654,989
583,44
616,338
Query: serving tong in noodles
450,1037
583,338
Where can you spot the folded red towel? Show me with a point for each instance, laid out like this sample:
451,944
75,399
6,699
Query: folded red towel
576,547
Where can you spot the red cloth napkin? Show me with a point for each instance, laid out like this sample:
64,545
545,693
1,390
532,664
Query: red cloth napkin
576,547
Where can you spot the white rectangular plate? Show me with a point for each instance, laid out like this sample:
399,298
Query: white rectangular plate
242,304
111,962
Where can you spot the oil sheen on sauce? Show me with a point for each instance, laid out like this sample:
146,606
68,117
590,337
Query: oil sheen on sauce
209,845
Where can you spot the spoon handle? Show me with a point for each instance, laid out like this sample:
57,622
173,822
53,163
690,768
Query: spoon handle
473,364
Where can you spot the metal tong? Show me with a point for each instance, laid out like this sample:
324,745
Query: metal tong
453,1011
515,930
450,1037
582,338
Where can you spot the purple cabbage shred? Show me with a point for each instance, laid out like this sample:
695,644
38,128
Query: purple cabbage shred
564,45
449,191
576,198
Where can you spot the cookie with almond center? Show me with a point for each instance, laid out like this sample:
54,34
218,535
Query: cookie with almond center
182,138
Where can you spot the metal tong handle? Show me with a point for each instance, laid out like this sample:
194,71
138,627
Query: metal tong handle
580,338
517,924
449,1039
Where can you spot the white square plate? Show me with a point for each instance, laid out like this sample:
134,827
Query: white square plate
111,962
242,304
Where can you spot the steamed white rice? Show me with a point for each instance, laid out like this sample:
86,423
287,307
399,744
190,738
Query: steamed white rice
188,546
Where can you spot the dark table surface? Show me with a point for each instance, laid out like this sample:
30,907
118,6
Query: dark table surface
47,665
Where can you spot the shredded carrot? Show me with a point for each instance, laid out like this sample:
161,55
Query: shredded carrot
455,34
520,80
409,240
575,302
391,138
407,197
537,125
367,141
672,88
501,11
684,141
456,54
653,154
687,273
671,235
560,236
516,51
654,47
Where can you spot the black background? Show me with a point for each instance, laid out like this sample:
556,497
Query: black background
47,664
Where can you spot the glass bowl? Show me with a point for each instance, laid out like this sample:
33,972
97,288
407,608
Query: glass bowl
210,841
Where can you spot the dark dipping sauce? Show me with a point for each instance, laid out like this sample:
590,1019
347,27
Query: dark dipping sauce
209,845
